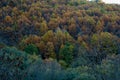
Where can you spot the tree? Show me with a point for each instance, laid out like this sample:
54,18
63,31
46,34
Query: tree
105,42
50,50
44,70
8,19
109,68
43,28
13,64
81,57
53,24
31,39
48,36
42,48
97,1
99,26
79,73
66,53
102,45
31,49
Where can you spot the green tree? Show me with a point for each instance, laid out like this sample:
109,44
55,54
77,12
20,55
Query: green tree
97,1
44,70
66,53
79,73
31,49
102,45
13,64
109,68
105,42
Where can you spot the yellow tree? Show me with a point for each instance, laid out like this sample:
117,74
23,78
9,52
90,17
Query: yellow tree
48,36
99,26
50,50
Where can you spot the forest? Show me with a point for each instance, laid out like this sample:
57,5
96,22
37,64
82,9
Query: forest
59,40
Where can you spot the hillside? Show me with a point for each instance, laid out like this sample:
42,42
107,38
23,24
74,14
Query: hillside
59,40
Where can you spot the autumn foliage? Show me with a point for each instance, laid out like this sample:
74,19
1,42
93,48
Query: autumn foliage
78,37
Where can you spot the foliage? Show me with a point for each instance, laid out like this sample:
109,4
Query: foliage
104,44
44,70
31,49
67,52
13,64
80,73
81,58
110,68
76,39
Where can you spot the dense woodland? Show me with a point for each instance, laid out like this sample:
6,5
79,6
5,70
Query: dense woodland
59,40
